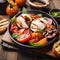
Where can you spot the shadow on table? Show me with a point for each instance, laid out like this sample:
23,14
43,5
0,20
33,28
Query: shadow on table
29,56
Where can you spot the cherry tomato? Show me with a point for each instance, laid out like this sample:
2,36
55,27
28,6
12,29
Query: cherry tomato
14,28
25,37
20,2
11,10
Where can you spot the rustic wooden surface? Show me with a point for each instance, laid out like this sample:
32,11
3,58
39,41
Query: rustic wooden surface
13,55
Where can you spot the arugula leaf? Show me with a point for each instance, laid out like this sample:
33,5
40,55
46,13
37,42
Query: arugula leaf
13,20
24,10
15,35
35,44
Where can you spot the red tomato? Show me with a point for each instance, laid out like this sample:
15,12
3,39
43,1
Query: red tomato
11,10
21,31
20,2
25,37
36,35
34,40
14,28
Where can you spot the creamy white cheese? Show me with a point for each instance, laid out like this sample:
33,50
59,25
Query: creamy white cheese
22,22
37,25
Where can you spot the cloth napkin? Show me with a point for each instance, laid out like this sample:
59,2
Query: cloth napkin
7,42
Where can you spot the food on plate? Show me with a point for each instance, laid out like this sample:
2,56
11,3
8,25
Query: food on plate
56,48
36,34
50,31
32,29
41,42
3,24
25,37
38,3
55,13
12,2
36,25
14,28
21,22
11,10
20,2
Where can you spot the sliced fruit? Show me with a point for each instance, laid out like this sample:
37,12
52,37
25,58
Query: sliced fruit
21,31
14,28
34,42
42,41
35,34
25,37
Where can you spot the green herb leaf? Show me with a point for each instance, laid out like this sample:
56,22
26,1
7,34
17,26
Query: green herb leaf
24,10
55,13
35,44
40,31
45,18
13,20
15,35
39,14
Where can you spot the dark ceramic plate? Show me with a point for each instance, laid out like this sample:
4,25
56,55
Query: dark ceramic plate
56,18
36,12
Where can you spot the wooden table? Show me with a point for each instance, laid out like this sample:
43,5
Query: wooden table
13,55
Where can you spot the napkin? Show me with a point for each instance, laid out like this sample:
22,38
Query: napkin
7,42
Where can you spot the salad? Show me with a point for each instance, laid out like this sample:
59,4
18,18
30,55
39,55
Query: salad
32,29
55,13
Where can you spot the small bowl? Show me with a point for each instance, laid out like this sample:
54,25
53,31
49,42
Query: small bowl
36,5
56,18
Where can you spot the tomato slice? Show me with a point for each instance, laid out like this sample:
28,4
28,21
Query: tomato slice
14,28
21,31
42,41
25,37
34,40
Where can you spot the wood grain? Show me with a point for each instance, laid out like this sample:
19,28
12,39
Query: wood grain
54,4
9,55
3,53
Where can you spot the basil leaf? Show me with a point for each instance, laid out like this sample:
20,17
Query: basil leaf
39,14
13,20
35,44
24,10
40,31
45,18
15,35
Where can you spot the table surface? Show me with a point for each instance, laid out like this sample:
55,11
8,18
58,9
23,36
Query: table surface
13,55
